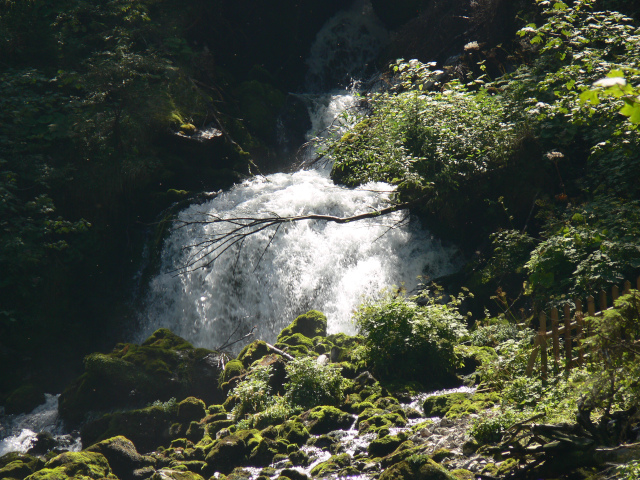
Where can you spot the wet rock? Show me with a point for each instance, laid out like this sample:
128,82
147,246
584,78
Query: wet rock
310,325
19,465
75,464
162,367
384,446
23,399
45,442
173,474
122,456
324,419
416,467
333,465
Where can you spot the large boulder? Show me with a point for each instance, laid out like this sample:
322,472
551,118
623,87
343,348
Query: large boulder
122,456
310,324
164,366
75,464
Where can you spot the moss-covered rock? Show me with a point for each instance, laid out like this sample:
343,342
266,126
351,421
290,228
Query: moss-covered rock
297,339
191,409
252,352
122,456
19,465
75,464
439,405
147,428
416,467
325,419
292,474
474,404
381,447
335,464
23,399
175,474
293,431
310,324
373,419
233,368
162,367
234,450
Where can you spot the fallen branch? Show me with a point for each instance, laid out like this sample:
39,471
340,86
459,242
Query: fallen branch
212,246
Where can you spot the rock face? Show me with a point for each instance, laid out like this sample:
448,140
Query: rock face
165,366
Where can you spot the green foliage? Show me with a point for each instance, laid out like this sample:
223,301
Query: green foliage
493,334
253,393
588,248
628,471
489,429
312,384
403,335
614,365
420,140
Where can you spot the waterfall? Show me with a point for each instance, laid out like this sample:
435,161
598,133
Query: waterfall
261,284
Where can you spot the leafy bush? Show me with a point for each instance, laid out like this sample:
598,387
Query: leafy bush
411,338
253,393
493,335
614,363
488,429
311,384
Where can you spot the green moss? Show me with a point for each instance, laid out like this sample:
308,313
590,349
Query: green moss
188,129
334,464
252,352
441,454
404,450
23,399
232,451
462,474
175,474
164,366
310,324
439,405
191,409
233,368
75,464
381,447
475,404
325,419
374,419
416,467
293,431
297,339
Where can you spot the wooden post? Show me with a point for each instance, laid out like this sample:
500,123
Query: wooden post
627,287
579,335
615,293
567,336
543,345
555,337
591,309
603,300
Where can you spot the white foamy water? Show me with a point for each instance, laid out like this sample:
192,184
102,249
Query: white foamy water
18,432
264,281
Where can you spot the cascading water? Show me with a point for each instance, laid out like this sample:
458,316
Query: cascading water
263,282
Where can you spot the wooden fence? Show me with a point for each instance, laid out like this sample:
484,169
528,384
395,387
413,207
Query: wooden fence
572,330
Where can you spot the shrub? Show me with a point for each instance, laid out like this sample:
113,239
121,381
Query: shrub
311,384
405,339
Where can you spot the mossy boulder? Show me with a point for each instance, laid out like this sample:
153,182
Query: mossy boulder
310,324
416,467
191,409
175,474
147,428
234,450
293,431
252,352
23,399
325,419
162,367
384,446
19,465
75,464
375,419
297,339
233,368
439,405
335,464
474,404
122,456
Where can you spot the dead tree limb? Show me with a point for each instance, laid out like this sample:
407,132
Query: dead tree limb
209,247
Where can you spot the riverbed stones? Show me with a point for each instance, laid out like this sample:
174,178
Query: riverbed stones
324,419
75,464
